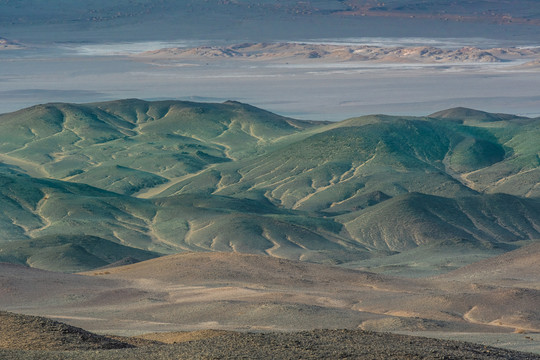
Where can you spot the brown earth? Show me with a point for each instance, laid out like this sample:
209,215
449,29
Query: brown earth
231,291
175,337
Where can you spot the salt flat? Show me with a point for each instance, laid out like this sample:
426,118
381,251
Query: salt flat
325,90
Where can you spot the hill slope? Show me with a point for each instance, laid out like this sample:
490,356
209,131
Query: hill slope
93,184
57,225
126,146
519,268
344,164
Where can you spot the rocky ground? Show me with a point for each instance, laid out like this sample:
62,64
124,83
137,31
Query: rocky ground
40,338
23,332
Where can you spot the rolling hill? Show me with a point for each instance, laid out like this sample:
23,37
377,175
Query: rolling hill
94,184
242,291
97,144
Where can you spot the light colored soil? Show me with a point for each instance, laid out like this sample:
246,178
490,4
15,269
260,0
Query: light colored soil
182,336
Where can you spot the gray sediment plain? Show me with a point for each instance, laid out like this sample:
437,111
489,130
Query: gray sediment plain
325,90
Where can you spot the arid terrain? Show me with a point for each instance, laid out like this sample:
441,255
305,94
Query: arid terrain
225,291
132,217
65,342
299,52
290,179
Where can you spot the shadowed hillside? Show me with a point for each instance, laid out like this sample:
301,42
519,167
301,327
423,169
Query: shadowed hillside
410,220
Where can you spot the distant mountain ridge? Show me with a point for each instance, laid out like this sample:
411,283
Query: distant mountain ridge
332,52
93,184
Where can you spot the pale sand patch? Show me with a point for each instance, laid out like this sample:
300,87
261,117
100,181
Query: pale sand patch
183,336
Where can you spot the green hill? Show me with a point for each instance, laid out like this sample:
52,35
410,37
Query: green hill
336,169
411,220
65,226
93,184
69,253
130,145
470,116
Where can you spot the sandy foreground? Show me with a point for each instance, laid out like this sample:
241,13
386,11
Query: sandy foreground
249,293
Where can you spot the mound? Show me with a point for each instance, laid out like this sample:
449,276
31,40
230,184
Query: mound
519,267
332,344
26,332
236,268
182,336
465,115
